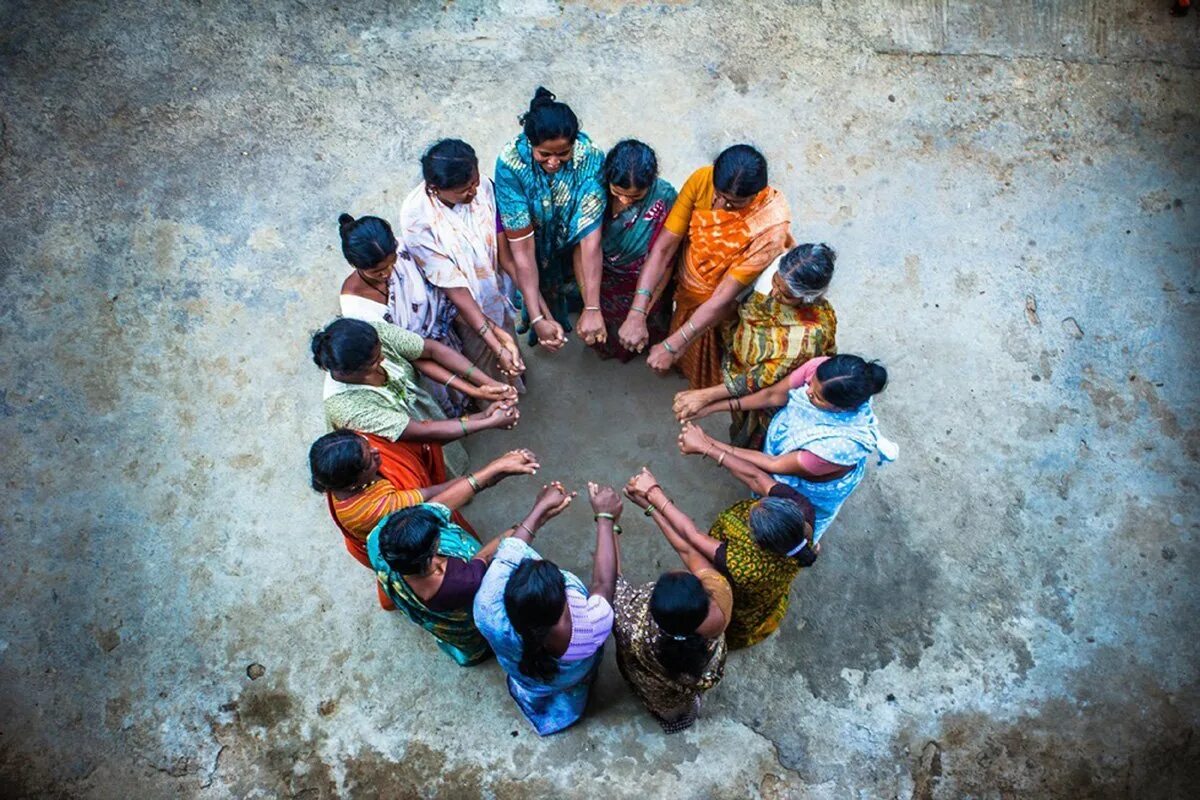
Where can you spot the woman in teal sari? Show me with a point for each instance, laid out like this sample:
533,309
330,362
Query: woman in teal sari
638,204
551,204
431,568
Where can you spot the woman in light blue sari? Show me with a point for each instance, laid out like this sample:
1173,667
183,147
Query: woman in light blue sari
546,628
819,440
551,200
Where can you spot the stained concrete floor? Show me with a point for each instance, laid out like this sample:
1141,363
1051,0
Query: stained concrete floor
1008,611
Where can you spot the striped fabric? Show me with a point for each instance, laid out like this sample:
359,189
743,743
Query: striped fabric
360,514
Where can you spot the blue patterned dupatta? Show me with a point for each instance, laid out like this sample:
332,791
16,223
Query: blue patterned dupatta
551,706
842,437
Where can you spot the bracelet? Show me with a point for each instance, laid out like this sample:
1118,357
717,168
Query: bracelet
463,422
469,371
528,530
537,319
605,515
692,325
707,452
645,292
474,484
452,377
721,460
485,327
683,334
667,346
641,311
591,308
652,508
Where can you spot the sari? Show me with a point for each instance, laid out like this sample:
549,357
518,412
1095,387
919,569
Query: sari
563,208
417,306
760,579
626,242
455,630
386,410
455,248
673,700
552,705
720,243
771,339
841,437
404,468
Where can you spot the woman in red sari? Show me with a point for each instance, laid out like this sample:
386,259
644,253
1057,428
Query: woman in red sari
366,477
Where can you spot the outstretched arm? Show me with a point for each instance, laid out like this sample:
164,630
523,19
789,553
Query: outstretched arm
606,504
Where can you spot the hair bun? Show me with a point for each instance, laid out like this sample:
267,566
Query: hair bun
877,375
345,221
827,251
542,97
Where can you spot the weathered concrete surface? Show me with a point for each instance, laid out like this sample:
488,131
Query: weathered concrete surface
1010,610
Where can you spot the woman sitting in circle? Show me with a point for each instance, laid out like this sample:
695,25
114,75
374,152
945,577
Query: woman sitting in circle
819,441
784,322
365,477
449,227
638,204
546,628
371,387
670,633
760,545
431,567
735,225
386,286
551,204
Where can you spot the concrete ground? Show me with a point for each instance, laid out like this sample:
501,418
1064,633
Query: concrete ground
1008,611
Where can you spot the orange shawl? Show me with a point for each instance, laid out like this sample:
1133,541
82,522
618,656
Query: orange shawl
407,466
735,244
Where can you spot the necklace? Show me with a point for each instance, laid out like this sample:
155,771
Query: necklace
384,292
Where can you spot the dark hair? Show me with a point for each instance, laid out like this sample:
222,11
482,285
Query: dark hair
365,241
848,381
448,163
631,165
740,171
346,345
679,605
777,523
408,539
534,598
807,268
548,119
336,460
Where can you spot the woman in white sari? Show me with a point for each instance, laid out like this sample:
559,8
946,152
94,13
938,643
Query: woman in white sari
449,226
386,286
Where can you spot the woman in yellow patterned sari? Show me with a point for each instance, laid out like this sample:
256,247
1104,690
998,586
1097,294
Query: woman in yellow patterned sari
760,545
783,323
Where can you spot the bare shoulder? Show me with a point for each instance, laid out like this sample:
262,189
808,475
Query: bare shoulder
354,285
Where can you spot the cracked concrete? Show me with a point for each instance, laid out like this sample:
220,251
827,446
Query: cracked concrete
1008,611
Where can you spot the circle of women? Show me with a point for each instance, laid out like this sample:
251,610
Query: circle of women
566,238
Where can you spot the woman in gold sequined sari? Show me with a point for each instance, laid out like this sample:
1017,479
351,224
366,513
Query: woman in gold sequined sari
670,633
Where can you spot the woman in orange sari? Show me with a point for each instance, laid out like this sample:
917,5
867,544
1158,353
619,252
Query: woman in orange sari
732,226
366,477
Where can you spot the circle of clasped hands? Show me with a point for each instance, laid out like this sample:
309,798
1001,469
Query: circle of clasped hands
711,281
